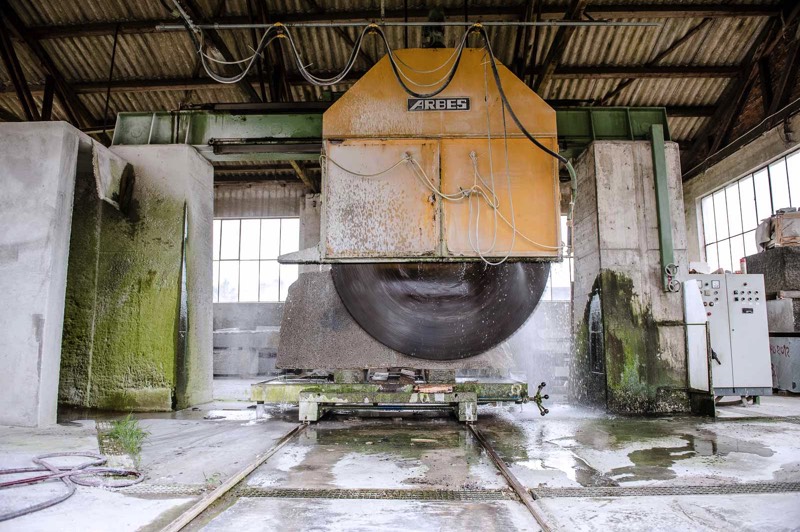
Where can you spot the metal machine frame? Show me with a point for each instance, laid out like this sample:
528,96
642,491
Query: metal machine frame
317,397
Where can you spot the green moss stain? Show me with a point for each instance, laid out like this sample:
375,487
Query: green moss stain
120,339
79,311
636,379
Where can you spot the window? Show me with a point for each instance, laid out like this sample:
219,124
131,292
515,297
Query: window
559,284
731,215
246,254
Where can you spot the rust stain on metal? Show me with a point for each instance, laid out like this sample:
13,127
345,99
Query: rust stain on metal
396,215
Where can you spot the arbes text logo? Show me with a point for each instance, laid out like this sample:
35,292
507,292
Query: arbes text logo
438,104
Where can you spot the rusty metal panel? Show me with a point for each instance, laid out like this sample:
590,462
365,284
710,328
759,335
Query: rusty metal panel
389,215
377,106
534,191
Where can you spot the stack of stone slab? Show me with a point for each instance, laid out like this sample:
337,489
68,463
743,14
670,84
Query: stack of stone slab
780,267
246,338
245,352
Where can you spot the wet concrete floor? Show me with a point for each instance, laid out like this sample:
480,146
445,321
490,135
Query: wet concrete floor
429,473
571,448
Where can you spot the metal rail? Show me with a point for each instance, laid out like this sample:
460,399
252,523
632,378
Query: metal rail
203,504
515,484
332,24
187,517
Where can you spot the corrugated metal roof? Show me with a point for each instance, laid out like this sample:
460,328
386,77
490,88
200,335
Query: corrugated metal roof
170,55
268,199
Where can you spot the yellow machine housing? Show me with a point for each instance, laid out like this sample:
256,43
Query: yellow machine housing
394,216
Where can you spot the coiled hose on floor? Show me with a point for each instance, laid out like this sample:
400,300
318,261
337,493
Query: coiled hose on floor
89,473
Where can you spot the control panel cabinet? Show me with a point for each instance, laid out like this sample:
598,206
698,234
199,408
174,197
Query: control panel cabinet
737,314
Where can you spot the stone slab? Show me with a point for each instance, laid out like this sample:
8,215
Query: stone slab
317,332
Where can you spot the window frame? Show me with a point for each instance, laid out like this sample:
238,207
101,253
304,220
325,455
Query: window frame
759,202
218,244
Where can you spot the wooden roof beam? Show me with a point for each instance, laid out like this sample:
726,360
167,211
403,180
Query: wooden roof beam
77,113
589,72
17,75
193,10
657,59
647,71
715,135
559,45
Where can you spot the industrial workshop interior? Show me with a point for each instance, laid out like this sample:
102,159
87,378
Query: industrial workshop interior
369,265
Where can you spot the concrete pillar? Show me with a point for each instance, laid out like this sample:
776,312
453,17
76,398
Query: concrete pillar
640,364
37,179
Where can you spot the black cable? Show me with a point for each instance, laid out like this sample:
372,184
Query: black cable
502,92
405,87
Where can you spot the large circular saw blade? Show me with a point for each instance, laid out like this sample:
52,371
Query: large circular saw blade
440,311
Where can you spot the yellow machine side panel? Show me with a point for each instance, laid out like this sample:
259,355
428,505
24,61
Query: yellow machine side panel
377,106
534,189
388,215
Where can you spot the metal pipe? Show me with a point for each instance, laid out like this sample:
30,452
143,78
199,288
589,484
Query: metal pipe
575,23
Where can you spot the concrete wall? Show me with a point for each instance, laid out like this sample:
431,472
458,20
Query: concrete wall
122,347
617,253
37,179
768,147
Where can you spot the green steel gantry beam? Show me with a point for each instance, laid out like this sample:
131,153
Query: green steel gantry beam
279,133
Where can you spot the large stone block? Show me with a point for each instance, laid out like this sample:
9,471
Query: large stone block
780,267
317,332
37,179
127,346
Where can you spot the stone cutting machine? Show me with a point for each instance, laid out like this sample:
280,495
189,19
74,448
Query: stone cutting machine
440,219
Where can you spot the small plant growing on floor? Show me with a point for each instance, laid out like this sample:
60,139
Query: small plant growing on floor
212,481
129,435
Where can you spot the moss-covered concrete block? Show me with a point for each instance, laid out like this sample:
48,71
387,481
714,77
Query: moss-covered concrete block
121,342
